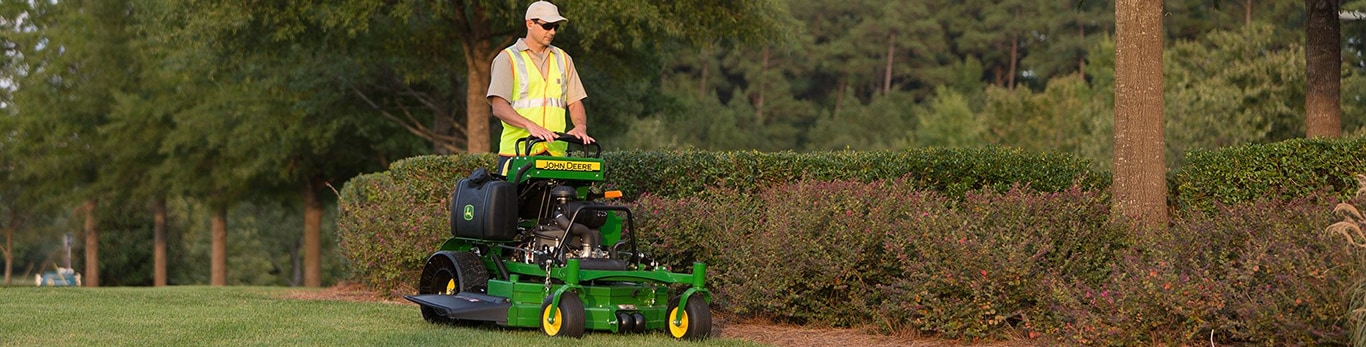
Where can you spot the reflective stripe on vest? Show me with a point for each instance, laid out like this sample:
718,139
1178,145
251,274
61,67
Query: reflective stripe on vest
537,99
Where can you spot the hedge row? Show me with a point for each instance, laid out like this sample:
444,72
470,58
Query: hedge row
952,171
1287,169
1016,263
390,221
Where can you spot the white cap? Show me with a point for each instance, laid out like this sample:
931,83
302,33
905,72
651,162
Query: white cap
544,11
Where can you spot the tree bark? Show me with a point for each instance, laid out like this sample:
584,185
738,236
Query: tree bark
1323,69
1140,189
9,252
887,72
159,242
10,226
313,225
1081,60
763,77
218,261
92,245
479,51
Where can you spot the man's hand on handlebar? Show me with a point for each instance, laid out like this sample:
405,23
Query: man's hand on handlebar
543,134
582,134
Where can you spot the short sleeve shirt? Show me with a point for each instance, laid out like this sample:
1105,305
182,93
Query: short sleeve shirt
500,76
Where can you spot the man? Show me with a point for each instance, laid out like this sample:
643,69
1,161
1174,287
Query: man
533,85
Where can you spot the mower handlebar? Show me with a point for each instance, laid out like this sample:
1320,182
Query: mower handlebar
531,141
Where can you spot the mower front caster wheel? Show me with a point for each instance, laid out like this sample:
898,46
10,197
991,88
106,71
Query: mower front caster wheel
568,318
695,324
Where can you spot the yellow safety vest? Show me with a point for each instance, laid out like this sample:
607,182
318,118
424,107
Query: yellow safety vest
542,100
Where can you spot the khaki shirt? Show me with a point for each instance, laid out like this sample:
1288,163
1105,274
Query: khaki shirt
500,76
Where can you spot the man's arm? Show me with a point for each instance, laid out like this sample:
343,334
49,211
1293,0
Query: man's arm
503,110
580,119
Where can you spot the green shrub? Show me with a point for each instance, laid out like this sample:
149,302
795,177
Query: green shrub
975,271
1260,273
887,253
952,171
1286,170
390,222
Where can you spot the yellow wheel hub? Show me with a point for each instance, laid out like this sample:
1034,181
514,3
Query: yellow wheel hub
450,287
551,324
678,330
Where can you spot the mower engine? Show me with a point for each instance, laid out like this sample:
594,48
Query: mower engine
571,224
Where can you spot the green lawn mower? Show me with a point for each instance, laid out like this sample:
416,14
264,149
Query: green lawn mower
538,247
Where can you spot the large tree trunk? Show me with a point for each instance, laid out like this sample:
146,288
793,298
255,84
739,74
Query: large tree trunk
159,242
9,249
1323,69
479,51
92,245
313,226
1140,188
9,227
218,261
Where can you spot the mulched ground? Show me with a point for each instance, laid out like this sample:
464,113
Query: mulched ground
722,325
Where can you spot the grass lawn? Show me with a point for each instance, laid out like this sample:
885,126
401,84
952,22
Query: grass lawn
252,316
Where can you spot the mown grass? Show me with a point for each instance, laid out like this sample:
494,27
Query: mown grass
251,316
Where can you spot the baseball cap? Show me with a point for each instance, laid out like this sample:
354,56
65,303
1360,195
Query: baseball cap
544,11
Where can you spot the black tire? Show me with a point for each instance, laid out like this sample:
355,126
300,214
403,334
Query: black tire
449,273
569,317
695,323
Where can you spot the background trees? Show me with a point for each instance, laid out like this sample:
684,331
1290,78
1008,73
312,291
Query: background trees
183,120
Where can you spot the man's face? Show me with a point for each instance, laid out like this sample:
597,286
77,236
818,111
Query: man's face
542,31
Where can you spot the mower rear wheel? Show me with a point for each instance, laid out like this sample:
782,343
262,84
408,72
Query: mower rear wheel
568,318
695,323
448,273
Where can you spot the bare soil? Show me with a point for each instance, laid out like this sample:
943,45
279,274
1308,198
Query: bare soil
722,325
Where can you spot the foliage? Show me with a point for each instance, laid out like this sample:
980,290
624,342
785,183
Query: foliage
1233,88
1284,170
952,171
893,255
1257,273
390,222
887,253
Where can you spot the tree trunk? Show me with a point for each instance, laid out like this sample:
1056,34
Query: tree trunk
1140,188
218,261
1014,57
9,254
477,45
1247,13
1081,60
313,226
839,98
887,72
1323,69
10,226
759,103
159,242
92,245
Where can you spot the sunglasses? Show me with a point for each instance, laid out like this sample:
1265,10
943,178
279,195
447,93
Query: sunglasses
547,26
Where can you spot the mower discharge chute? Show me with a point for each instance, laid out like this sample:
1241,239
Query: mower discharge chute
537,247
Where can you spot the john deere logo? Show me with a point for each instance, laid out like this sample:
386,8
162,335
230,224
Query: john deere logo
469,212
